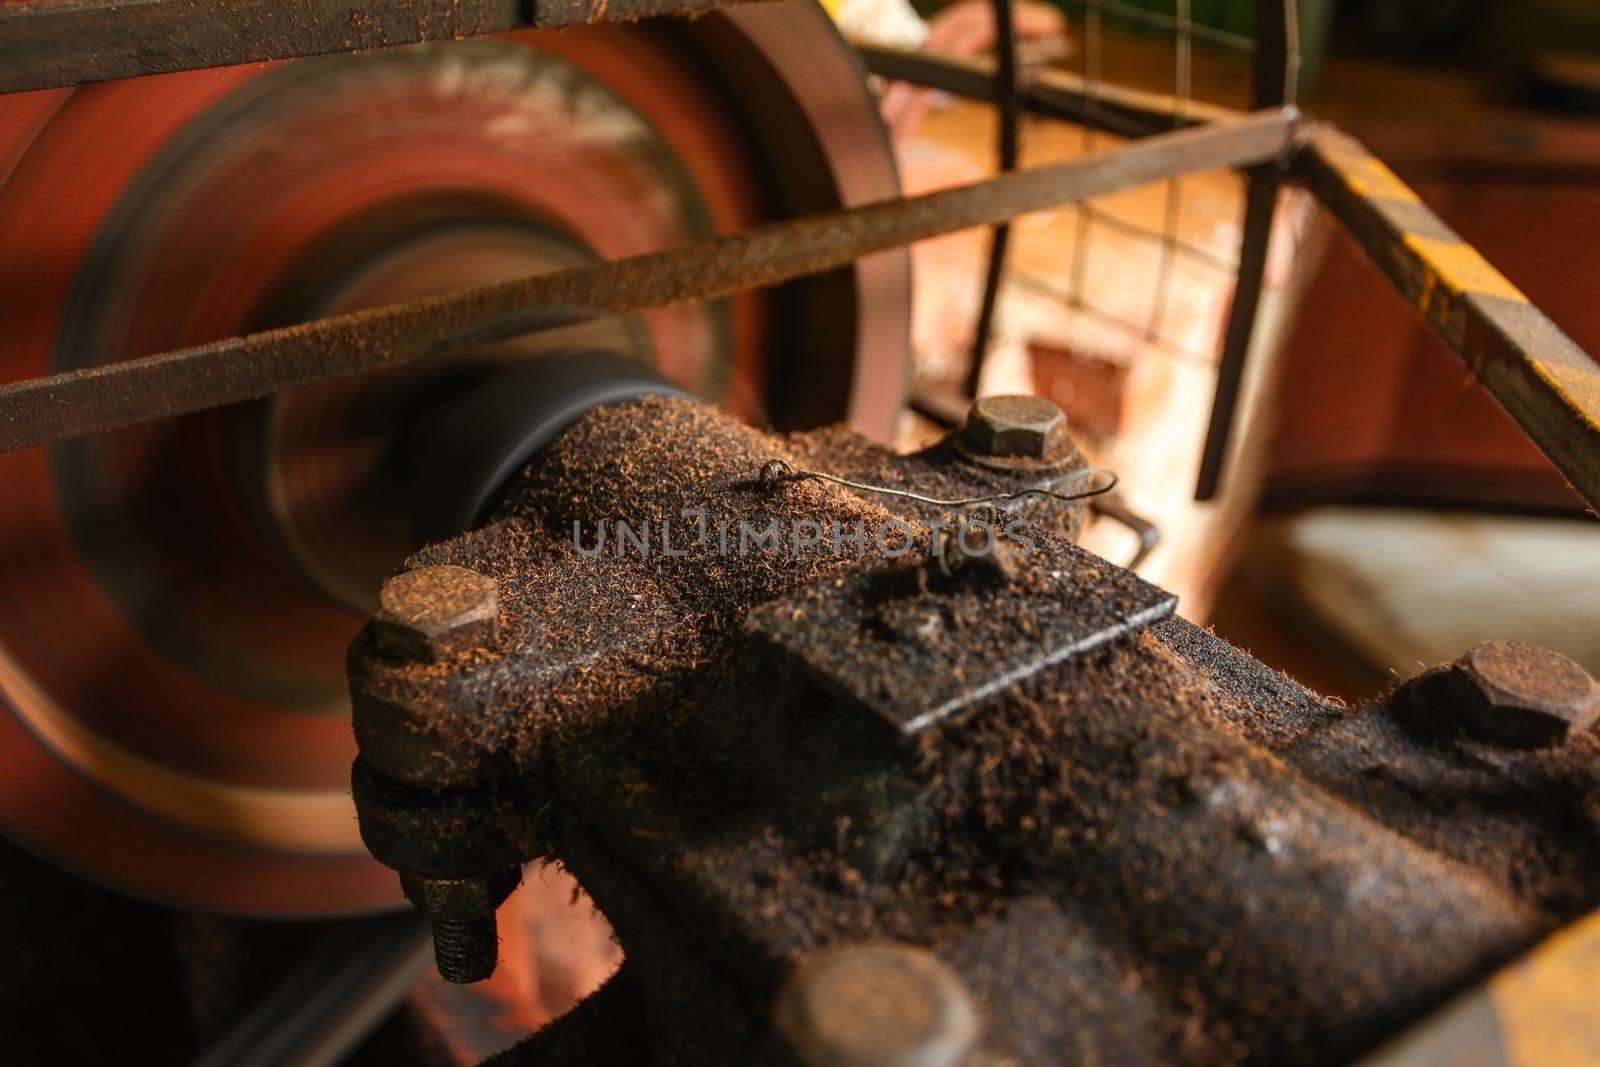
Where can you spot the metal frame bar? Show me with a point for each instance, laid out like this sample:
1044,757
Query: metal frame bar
47,44
75,403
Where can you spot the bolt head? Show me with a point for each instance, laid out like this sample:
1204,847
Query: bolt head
1524,695
1015,426
432,614
876,1005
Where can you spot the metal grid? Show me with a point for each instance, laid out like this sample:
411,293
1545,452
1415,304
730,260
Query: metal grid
1184,31
1091,218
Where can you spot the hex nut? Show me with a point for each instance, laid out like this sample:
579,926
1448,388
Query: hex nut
1523,695
875,1005
1017,425
432,614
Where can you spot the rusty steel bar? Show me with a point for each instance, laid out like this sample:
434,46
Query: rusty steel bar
92,400
47,44
1549,385
1052,94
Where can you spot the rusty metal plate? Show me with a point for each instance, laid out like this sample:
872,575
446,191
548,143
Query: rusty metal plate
918,651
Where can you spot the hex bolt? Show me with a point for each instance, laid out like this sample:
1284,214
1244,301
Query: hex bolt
1523,695
432,614
466,941
1018,425
875,1005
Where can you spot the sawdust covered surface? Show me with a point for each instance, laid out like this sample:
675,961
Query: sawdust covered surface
1128,805
1175,858
581,632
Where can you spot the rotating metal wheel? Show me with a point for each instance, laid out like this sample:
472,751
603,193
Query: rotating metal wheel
178,596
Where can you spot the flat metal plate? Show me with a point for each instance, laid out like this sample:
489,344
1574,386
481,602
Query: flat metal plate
919,650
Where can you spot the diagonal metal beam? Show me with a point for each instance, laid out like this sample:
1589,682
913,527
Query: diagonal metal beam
51,43
75,403
1549,385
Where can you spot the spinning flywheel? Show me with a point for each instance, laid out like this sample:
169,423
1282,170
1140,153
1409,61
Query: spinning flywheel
178,596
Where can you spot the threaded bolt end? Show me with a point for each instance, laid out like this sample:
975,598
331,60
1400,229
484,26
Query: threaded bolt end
465,949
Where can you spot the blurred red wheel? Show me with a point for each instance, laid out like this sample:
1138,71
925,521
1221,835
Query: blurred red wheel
177,597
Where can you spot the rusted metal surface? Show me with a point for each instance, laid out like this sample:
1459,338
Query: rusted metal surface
1529,694
982,632
1514,811
1030,426
81,402
1549,385
1157,852
49,43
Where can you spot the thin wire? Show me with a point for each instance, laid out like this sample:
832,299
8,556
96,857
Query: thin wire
1142,232
778,470
1133,13
1038,285
1085,217
1174,202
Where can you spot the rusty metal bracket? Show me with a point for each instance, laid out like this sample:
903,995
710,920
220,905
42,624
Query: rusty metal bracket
1112,506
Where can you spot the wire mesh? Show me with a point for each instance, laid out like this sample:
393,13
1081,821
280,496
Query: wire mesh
1092,218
